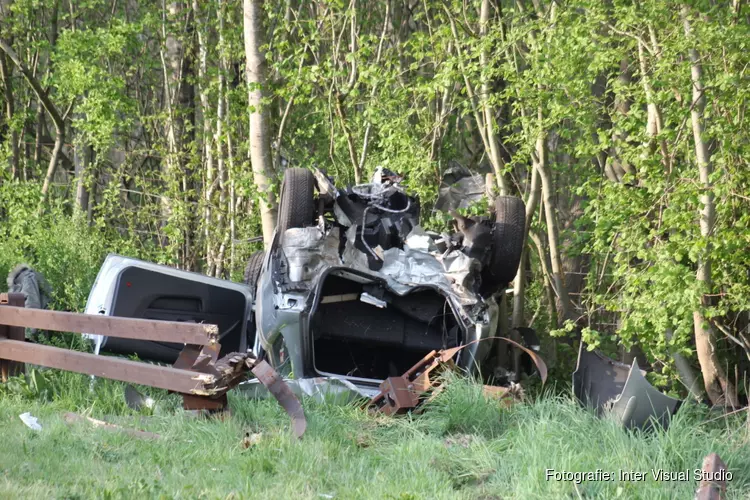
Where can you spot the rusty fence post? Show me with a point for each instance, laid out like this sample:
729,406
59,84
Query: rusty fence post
713,484
12,368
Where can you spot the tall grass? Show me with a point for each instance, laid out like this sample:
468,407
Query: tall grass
461,446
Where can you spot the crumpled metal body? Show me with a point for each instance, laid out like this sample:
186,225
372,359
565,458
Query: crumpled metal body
614,388
375,235
309,251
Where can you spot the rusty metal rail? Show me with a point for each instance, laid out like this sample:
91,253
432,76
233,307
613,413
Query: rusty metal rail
125,370
198,374
126,328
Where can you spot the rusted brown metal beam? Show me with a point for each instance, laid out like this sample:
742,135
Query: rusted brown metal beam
283,394
163,377
198,374
399,396
11,368
714,475
126,328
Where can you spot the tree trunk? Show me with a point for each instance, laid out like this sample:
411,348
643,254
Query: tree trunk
57,119
9,112
496,159
219,140
81,162
553,231
5,74
549,291
260,137
486,131
519,283
179,97
207,146
718,386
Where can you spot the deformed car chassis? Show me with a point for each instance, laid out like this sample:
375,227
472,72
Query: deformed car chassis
351,287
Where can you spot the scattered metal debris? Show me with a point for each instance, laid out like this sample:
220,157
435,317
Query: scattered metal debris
714,476
404,393
286,398
615,388
72,418
320,389
31,421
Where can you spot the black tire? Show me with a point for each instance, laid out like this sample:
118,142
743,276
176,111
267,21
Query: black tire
252,270
296,207
508,241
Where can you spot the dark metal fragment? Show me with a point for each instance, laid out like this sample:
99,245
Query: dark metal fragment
615,388
283,394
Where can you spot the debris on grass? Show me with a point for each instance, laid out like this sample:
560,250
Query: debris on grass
504,395
713,479
407,392
137,401
320,389
460,440
30,421
251,439
621,390
72,418
283,394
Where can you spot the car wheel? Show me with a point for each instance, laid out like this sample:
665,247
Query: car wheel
252,270
296,207
508,241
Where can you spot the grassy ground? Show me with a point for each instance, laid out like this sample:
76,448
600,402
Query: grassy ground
462,446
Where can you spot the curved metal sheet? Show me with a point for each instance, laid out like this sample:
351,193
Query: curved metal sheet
611,387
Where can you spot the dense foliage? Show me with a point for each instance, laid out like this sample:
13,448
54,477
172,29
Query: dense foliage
621,124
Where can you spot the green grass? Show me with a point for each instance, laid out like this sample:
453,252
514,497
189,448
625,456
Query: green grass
462,446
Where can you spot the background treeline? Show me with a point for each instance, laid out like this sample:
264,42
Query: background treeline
160,130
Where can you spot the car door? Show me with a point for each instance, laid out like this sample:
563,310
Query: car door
134,288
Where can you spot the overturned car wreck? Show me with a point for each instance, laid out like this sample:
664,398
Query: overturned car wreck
351,286
353,290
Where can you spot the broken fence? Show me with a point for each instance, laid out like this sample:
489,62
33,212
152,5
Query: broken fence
199,375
